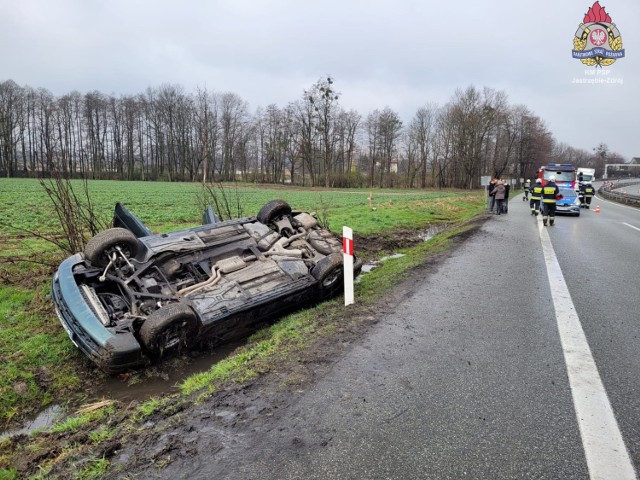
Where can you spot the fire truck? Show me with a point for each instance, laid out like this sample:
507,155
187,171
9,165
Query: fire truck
566,174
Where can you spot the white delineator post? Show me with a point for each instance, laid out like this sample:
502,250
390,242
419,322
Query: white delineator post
347,253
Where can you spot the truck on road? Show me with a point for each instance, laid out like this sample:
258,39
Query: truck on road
565,173
586,175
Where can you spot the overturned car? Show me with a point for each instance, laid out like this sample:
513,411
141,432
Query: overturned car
132,296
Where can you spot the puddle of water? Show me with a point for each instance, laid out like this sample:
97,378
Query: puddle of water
45,419
425,236
367,267
395,255
141,385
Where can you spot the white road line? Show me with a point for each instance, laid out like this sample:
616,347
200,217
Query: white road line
605,451
611,202
635,228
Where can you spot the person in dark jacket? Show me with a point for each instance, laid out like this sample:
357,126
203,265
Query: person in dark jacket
536,197
588,192
499,192
505,204
550,193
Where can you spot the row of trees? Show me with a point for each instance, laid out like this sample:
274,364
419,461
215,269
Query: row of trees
166,133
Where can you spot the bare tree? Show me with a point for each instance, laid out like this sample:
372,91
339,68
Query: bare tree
443,148
474,114
95,113
11,115
133,147
206,118
374,144
421,130
275,144
166,133
410,159
507,130
293,139
390,131
233,118
305,117
325,99
349,127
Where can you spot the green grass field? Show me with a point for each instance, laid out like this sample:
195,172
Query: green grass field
163,206
41,366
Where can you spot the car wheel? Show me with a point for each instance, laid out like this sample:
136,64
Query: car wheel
99,249
328,270
168,329
273,210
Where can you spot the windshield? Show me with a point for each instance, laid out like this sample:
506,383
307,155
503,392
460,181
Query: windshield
560,176
587,177
568,192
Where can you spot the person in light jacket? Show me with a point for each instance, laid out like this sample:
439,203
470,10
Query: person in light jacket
526,187
499,193
492,200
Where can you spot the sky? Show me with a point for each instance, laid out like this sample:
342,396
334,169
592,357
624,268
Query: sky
401,54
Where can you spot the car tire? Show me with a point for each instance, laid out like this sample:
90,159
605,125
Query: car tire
273,210
97,250
328,271
168,329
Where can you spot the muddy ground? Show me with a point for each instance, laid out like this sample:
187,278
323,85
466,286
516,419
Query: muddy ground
193,432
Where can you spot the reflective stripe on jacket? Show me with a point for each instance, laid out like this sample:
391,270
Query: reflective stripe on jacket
549,193
536,192
589,191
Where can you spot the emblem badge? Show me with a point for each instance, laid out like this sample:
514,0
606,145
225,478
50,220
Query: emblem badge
597,41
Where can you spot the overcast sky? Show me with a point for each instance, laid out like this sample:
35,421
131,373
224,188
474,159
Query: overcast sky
402,54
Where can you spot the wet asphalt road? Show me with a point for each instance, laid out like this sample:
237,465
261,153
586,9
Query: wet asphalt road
467,378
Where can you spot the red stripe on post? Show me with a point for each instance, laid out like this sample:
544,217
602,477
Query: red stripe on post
347,246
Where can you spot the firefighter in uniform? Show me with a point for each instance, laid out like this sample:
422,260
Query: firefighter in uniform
588,194
550,193
536,196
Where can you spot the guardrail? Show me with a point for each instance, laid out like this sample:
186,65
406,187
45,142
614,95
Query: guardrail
606,192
